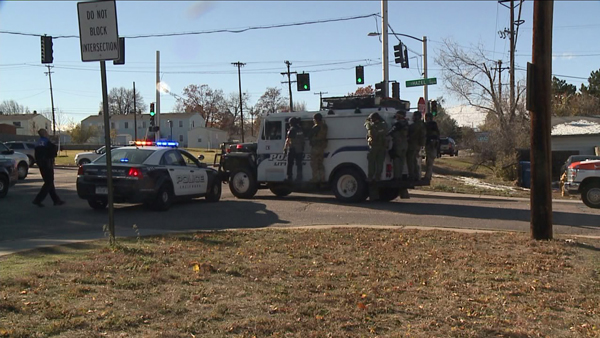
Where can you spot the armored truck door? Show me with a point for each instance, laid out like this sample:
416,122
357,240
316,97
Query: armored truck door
272,162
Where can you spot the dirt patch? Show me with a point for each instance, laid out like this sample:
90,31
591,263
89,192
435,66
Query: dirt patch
308,283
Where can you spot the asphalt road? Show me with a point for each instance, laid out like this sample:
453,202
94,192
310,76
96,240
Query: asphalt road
24,225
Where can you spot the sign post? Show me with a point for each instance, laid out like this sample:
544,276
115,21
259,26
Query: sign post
99,40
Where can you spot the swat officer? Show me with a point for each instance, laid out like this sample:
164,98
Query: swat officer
294,144
318,143
376,139
432,133
399,135
45,152
416,140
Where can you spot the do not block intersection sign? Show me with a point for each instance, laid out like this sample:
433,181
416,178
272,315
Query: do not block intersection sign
98,33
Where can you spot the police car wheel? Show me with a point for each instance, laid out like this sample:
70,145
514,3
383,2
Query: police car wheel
388,194
591,196
23,170
164,198
214,195
3,186
349,187
280,190
243,184
97,204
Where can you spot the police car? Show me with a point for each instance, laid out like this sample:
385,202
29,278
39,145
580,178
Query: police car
153,173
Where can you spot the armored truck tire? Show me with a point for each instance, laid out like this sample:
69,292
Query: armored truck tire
349,186
388,194
280,190
242,184
590,194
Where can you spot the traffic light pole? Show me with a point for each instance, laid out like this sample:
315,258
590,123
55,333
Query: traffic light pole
384,59
425,90
157,133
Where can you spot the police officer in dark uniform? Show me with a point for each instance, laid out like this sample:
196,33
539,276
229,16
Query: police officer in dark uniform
294,144
45,152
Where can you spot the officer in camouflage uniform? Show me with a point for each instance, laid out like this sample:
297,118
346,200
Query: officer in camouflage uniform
376,138
416,140
294,144
431,144
318,143
399,134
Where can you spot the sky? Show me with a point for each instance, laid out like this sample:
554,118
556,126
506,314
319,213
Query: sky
329,51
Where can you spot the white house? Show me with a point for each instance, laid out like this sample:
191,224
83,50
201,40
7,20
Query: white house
576,133
209,138
173,126
26,124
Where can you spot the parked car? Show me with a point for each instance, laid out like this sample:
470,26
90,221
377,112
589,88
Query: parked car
88,157
448,147
21,159
8,175
577,158
27,148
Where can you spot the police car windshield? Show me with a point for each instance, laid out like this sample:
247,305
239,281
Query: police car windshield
130,156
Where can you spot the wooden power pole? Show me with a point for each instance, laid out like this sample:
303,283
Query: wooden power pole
539,93
289,82
239,65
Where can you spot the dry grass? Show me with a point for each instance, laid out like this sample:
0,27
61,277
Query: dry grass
67,157
307,283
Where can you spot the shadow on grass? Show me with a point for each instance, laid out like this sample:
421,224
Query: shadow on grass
455,172
586,246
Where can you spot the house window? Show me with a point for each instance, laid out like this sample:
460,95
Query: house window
144,124
17,124
180,138
193,124
112,125
180,124
126,125
47,126
199,140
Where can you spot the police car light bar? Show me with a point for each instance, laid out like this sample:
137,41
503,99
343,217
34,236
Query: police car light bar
173,144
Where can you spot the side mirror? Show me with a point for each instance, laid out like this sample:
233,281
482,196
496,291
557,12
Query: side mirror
8,152
201,157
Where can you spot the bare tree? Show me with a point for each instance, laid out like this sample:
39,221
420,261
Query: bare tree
270,102
210,103
233,107
11,107
120,101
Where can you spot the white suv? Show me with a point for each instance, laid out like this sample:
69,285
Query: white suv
21,159
88,157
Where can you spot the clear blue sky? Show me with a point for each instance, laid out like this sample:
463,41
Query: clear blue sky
328,51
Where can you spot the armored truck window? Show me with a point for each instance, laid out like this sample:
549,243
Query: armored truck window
272,130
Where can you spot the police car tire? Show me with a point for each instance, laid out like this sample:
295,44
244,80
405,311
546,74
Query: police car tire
388,194
23,170
97,204
214,194
243,176
280,190
164,198
591,195
360,193
3,186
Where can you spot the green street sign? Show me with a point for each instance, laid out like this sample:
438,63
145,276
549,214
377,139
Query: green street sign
421,82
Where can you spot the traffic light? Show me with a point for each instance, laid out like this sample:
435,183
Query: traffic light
379,90
405,58
396,90
303,82
398,53
152,113
433,109
360,75
121,59
47,56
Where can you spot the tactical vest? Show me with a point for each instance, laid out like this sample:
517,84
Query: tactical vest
298,140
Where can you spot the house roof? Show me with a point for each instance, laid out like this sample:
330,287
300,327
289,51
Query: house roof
575,125
99,118
12,117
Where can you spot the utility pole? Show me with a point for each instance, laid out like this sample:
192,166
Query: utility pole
512,56
240,65
134,115
289,82
49,73
539,94
384,47
321,99
157,107
500,69
425,89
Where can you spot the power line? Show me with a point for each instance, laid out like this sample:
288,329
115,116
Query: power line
241,30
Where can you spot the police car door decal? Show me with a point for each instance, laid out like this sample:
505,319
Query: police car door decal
194,179
177,171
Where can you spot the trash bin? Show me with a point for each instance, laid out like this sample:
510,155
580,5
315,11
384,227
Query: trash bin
525,174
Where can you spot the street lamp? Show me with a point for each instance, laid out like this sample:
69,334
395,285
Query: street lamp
424,41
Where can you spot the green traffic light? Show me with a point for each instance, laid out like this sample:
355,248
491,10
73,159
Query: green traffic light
359,80
152,113
305,86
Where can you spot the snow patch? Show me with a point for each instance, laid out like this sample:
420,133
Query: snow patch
477,183
581,127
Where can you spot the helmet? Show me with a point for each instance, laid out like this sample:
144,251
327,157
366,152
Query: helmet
318,117
374,117
294,121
